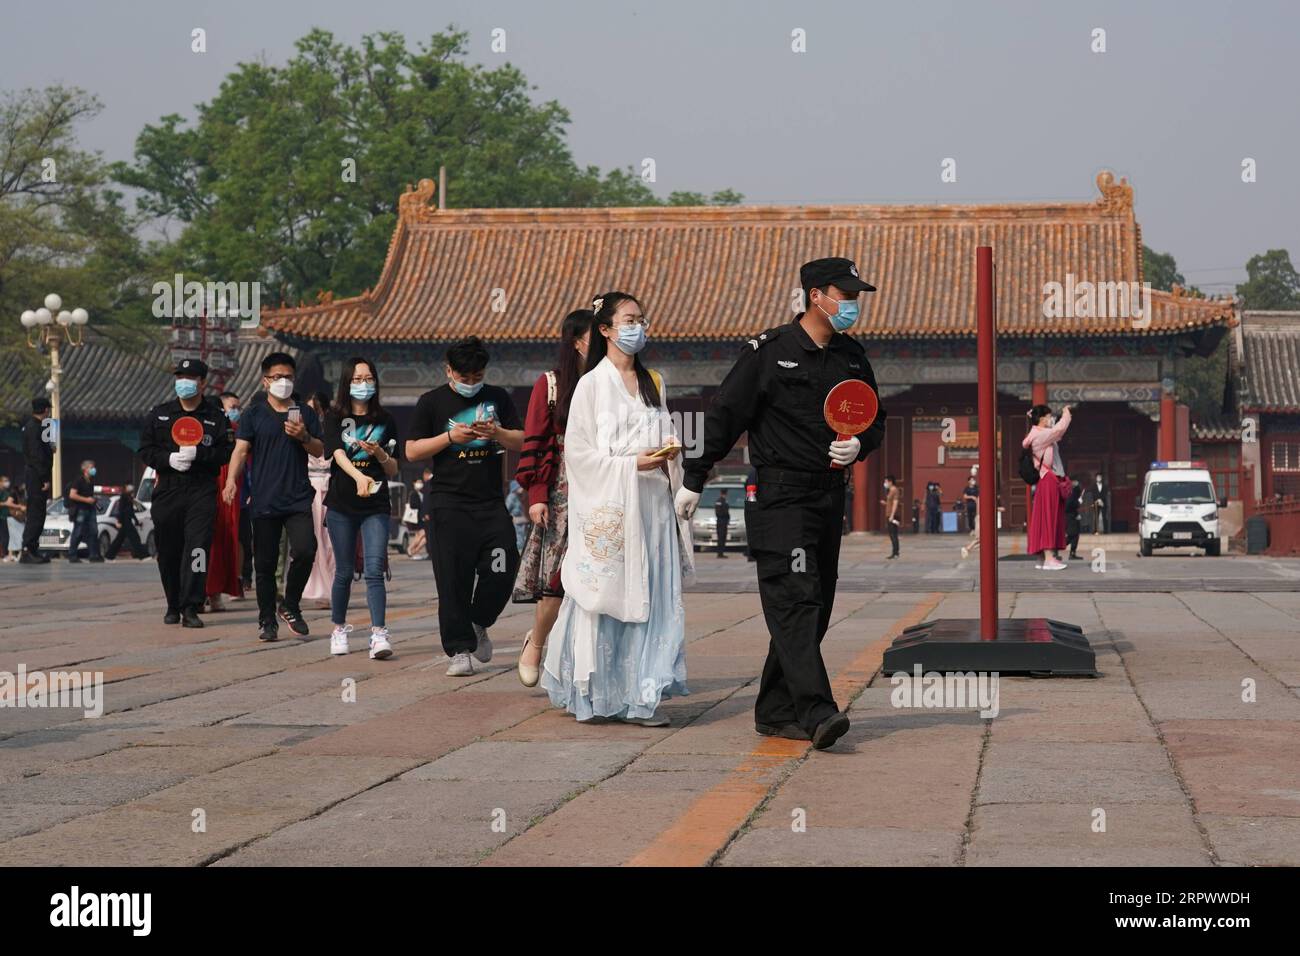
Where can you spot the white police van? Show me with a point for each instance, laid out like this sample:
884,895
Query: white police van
1179,508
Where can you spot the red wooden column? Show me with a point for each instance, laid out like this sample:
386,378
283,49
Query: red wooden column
986,336
1168,427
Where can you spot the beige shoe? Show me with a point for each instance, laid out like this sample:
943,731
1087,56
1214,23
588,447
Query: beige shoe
528,675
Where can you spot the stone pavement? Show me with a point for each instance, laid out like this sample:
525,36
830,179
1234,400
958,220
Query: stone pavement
1159,761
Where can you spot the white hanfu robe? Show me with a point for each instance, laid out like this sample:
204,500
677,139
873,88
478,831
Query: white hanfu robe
619,642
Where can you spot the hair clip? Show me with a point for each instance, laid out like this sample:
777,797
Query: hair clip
596,304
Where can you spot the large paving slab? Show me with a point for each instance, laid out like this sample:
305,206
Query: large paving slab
1183,751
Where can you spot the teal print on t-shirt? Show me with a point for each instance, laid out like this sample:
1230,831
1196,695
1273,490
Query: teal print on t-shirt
468,416
371,433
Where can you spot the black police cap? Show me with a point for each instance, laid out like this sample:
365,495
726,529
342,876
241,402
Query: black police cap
841,273
196,368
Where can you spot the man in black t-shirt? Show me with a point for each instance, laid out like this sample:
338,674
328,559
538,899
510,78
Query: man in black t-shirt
280,435
465,426
84,513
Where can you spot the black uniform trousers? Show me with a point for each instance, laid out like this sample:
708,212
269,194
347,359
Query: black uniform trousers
794,534
474,564
35,520
183,516
722,536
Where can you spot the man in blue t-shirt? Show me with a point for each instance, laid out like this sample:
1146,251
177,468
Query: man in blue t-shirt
280,435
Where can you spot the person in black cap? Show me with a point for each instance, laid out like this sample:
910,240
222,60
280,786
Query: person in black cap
38,456
184,507
775,391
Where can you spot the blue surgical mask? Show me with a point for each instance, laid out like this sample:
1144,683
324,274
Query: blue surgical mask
465,391
631,338
186,388
846,316
362,391
91,473
232,414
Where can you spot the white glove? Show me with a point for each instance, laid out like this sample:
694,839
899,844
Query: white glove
845,452
686,502
188,451
179,462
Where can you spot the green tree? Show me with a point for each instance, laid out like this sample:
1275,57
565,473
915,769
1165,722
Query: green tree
62,229
1271,283
1160,269
260,179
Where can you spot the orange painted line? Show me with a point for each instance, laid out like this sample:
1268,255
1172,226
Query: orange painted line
708,823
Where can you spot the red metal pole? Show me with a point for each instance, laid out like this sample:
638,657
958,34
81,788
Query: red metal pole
986,336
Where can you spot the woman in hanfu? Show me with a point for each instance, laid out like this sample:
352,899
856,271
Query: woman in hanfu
618,646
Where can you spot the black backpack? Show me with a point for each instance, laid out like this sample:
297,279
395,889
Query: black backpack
1028,467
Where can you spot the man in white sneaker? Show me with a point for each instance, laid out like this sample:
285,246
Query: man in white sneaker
465,427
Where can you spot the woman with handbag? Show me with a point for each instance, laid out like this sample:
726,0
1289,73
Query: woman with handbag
1047,520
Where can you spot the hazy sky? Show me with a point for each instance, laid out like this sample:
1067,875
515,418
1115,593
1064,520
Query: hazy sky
713,93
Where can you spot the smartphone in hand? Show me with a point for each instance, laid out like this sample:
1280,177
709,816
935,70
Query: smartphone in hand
294,413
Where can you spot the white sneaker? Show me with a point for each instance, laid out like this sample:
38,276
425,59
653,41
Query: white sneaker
1053,566
461,666
339,639
379,646
484,650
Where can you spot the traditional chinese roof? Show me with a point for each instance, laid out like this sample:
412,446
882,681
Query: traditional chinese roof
117,379
722,273
1217,428
1271,362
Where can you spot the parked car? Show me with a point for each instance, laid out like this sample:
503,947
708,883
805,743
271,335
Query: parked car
704,526
58,523
1179,508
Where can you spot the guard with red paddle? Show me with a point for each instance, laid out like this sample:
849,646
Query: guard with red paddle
805,394
186,440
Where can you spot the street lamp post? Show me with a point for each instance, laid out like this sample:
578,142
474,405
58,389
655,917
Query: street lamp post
49,326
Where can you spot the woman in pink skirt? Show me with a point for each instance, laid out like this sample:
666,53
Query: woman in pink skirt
321,581
1047,522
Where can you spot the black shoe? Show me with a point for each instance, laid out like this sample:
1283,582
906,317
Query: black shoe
295,621
190,618
269,632
73,559
722,555
830,730
97,559
29,558
791,731
172,616
891,557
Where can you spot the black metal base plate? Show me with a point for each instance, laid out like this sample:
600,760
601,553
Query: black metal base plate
1034,645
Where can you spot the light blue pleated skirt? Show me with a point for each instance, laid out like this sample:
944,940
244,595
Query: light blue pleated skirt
637,665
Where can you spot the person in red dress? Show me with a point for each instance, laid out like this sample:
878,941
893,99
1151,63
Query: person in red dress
226,559
541,474
1047,520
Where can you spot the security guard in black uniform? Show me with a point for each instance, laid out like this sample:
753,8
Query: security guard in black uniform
184,506
776,391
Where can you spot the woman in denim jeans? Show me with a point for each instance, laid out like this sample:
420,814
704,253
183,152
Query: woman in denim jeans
361,443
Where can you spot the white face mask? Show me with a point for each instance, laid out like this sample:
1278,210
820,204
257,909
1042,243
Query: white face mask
282,388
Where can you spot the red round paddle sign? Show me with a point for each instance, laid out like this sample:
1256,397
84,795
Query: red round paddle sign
187,431
851,407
